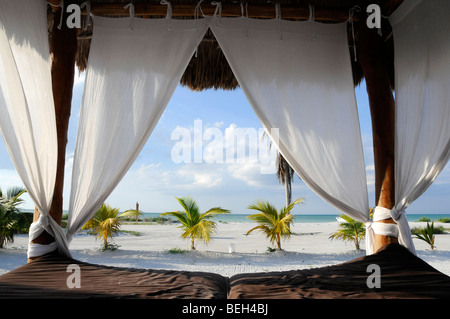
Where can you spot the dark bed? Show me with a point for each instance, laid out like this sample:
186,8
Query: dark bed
403,276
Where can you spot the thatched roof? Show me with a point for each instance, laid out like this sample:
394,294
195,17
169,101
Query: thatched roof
209,69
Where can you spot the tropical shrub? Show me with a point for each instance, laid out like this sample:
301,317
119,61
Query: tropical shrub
275,225
196,225
426,234
350,230
12,220
106,223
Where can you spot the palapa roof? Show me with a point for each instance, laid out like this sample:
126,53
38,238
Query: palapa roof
209,68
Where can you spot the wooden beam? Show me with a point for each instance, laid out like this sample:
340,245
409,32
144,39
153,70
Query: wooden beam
372,57
63,48
228,10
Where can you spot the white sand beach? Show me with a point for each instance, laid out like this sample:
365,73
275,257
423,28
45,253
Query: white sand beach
310,247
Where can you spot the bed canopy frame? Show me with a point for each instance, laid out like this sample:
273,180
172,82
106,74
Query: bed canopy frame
373,62
410,135
371,52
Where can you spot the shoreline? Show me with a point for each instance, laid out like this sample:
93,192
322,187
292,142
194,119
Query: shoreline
310,247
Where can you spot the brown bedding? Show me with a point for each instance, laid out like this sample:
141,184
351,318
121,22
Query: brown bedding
403,275
47,276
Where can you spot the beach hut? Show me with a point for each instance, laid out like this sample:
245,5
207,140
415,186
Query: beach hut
370,51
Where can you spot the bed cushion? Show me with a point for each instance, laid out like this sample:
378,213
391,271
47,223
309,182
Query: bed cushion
402,275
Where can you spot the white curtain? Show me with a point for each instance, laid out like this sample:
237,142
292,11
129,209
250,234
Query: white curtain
134,67
297,77
27,120
422,68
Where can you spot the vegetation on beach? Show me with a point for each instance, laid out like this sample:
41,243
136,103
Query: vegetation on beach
275,225
12,220
175,251
427,233
350,230
106,223
196,225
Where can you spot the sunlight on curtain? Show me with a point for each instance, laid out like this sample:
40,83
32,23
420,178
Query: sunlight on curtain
27,120
297,77
134,67
422,68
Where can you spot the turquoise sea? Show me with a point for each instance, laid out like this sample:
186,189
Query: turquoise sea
299,218
302,218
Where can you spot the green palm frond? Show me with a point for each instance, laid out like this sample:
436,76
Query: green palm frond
190,207
426,234
275,225
196,225
350,230
12,220
131,213
105,223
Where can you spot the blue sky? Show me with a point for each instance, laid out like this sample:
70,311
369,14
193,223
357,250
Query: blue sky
155,179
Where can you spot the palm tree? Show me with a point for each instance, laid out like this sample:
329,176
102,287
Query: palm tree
196,225
426,234
285,173
351,230
11,219
106,222
271,222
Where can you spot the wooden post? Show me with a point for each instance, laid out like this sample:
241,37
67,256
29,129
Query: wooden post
63,47
372,57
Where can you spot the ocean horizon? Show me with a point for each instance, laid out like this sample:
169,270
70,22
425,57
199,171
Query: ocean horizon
299,218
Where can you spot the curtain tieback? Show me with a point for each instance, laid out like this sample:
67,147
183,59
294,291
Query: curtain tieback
386,229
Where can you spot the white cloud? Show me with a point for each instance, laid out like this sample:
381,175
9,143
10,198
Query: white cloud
201,175
9,178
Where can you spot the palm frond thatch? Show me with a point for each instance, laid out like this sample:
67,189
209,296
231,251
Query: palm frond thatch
209,68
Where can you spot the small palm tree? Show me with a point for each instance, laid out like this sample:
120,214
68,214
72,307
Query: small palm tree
426,234
11,219
196,225
106,222
351,230
273,223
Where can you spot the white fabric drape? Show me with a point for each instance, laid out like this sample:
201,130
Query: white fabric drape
422,67
27,120
297,77
134,67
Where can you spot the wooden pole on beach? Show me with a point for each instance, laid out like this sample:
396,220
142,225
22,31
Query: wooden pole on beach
372,56
63,48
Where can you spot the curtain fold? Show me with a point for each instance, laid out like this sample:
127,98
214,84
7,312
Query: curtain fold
27,120
422,67
134,67
297,77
